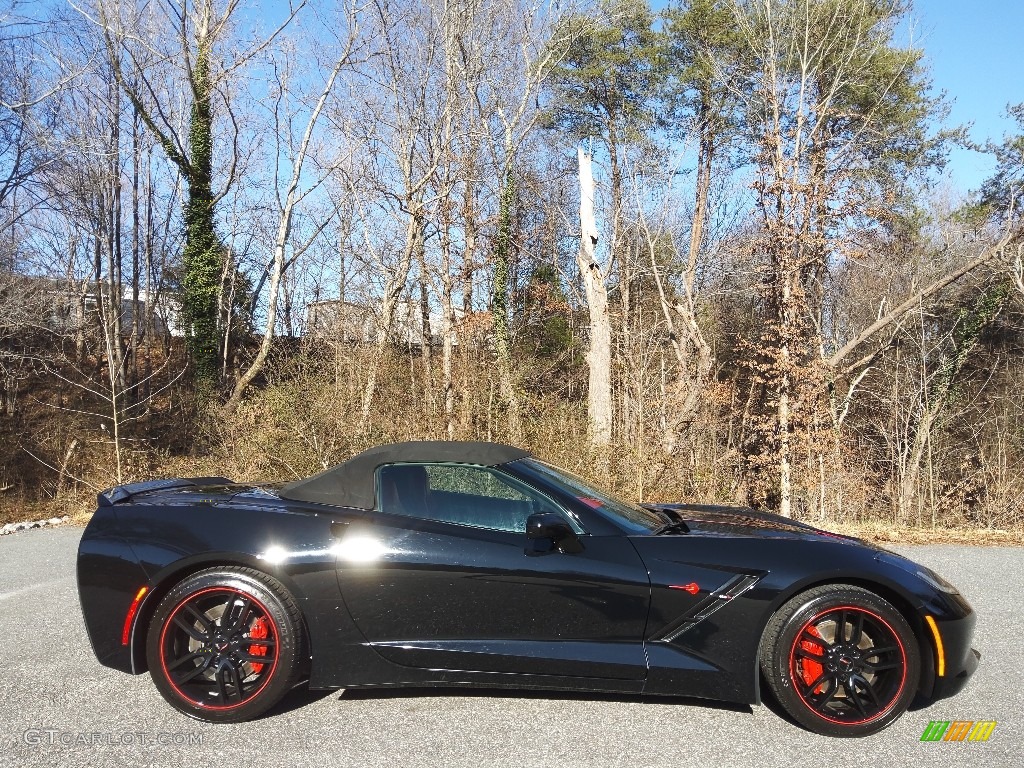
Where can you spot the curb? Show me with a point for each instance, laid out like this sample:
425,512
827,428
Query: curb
26,525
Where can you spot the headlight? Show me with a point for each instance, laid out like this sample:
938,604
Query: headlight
931,577
927,575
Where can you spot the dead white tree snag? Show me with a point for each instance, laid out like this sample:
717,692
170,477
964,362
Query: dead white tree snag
599,354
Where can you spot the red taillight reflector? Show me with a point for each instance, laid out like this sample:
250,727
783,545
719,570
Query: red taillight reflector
132,610
692,587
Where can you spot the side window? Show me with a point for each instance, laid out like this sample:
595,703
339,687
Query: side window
459,493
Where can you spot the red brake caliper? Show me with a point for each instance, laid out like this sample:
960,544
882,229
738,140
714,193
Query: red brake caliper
258,632
811,669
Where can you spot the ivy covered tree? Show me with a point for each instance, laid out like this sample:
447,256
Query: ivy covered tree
998,204
201,257
203,62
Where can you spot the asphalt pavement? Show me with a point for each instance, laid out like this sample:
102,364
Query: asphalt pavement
60,707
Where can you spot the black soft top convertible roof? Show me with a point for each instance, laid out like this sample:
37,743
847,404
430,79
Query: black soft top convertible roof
352,484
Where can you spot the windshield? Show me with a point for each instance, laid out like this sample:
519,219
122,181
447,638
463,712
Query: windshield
629,516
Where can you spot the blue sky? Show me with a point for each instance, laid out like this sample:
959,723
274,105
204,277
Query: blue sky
976,57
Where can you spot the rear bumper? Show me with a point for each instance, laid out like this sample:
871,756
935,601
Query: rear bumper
109,578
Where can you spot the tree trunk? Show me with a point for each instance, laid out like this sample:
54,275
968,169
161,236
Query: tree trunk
393,287
284,228
201,282
426,340
599,396
502,334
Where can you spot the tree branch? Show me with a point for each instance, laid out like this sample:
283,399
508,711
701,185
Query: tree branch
914,301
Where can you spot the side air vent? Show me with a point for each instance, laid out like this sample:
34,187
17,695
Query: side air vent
732,588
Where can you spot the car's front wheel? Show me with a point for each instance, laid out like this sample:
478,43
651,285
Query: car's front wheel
841,660
225,644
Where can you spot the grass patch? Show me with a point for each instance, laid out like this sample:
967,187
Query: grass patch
884,534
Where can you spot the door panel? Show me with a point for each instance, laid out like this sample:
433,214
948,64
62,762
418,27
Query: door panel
450,596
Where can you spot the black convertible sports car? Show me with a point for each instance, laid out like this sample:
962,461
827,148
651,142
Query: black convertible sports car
475,564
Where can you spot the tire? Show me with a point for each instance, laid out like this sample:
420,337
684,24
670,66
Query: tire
225,644
841,660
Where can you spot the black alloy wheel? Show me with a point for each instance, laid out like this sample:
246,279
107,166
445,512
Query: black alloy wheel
841,660
225,644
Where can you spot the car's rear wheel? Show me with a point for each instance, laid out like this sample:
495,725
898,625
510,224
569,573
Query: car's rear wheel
841,660
225,644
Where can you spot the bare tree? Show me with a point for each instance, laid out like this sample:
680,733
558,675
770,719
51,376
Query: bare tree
821,149
154,50
292,195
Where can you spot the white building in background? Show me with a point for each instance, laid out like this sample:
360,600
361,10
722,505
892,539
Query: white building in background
166,313
70,306
70,310
357,323
340,320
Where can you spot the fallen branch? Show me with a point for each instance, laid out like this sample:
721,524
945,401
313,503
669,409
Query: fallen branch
913,302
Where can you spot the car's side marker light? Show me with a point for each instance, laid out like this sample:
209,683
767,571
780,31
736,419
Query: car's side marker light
692,587
132,610
940,666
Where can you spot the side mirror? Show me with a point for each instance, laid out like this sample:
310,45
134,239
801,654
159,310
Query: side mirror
552,530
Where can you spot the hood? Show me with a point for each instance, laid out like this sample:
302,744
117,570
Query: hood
716,520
